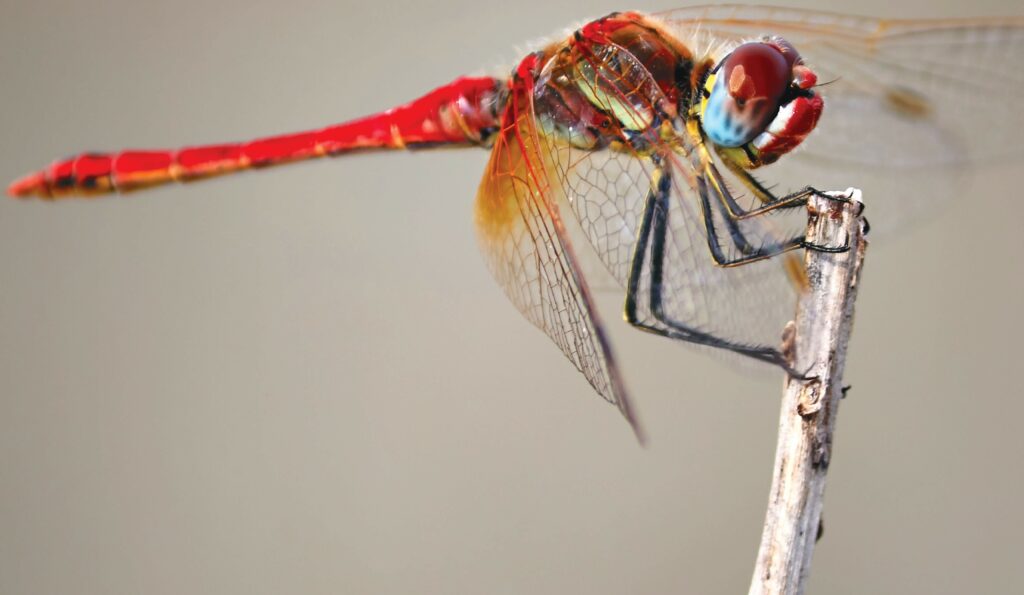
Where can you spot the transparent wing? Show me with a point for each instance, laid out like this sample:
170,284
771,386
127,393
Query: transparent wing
530,254
737,307
908,103
747,305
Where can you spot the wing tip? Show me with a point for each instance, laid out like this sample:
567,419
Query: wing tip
626,408
638,431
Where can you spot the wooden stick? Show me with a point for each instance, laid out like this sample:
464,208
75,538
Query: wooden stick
815,343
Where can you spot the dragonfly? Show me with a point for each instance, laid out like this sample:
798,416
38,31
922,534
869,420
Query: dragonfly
676,151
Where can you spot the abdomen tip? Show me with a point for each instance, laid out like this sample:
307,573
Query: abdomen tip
29,185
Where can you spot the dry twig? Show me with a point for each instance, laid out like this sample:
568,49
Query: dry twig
816,343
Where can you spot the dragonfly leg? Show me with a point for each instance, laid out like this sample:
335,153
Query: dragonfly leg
769,201
652,234
733,212
715,246
739,239
767,251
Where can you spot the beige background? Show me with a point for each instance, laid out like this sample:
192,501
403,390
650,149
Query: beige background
305,381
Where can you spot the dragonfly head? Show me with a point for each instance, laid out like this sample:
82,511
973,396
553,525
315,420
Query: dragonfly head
758,102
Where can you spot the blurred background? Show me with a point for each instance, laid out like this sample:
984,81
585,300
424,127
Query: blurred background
305,380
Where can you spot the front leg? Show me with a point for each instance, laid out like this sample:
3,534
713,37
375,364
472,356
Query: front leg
712,181
769,201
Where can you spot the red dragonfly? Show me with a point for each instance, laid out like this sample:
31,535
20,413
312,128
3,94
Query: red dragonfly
635,139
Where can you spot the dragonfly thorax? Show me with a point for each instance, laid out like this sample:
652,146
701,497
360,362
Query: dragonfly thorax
618,82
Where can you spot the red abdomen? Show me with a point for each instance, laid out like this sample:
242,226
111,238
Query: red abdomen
462,113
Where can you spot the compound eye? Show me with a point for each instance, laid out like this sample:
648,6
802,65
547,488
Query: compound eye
757,71
748,89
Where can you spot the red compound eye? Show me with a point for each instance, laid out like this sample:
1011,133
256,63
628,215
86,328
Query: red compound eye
757,71
749,89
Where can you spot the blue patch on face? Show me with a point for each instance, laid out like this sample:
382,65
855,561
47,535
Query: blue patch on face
722,121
